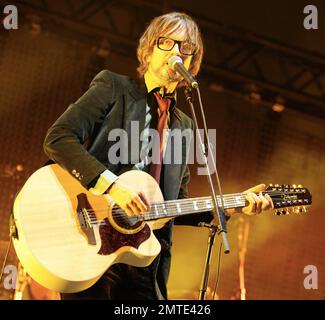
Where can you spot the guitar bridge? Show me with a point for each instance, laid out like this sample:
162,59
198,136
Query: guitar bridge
84,220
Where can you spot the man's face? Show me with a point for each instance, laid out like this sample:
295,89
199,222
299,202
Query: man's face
158,62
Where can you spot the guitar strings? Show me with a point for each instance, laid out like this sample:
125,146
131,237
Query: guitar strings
204,199
131,219
198,200
187,209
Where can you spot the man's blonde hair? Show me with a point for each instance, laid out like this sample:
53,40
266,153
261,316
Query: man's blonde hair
166,25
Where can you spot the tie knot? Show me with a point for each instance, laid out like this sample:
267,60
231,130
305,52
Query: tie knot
163,103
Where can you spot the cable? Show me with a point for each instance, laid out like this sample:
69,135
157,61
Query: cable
218,273
5,259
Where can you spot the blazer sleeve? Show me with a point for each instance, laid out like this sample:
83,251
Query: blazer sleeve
65,140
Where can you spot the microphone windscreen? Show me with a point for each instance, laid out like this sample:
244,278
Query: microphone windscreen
173,60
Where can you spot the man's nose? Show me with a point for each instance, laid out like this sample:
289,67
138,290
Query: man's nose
176,49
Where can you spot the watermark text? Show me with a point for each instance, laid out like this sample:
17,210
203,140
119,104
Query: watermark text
10,21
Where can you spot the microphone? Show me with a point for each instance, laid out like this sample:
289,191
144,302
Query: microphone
176,64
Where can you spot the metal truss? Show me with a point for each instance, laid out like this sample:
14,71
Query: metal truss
236,60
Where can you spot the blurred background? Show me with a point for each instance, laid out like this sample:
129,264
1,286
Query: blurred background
262,84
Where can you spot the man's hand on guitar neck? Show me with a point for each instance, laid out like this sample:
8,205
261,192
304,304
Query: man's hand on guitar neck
257,202
133,202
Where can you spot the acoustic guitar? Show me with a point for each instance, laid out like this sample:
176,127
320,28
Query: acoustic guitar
66,237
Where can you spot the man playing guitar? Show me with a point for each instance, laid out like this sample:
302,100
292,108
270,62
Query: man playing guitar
78,142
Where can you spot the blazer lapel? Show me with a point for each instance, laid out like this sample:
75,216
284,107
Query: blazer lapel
134,121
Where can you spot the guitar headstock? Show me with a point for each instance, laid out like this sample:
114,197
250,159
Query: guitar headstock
289,198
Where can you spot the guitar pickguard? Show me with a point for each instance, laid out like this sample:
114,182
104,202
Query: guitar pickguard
112,240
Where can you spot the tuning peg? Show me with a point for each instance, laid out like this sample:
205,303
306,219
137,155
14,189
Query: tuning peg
300,209
299,186
294,186
270,187
282,212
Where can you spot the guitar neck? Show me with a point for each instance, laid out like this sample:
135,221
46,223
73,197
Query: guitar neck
283,196
175,208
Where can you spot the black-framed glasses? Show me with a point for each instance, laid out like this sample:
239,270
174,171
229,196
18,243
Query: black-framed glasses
186,48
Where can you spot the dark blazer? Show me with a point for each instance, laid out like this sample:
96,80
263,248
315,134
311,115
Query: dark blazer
78,142
78,139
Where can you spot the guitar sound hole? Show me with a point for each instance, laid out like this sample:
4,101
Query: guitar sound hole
123,220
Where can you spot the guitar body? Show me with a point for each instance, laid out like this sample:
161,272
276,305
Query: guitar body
53,248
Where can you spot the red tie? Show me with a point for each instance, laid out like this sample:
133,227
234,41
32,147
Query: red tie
162,126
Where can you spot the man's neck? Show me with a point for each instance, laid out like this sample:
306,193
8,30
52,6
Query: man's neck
152,83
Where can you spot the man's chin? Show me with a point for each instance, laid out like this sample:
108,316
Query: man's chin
173,76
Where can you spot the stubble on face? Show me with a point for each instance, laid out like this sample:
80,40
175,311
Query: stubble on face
160,70
170,75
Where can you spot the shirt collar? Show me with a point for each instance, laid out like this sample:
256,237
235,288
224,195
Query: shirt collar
142,90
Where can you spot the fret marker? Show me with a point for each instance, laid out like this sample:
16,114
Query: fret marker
164,209
178,206
156,209
195,205
238,200
208,203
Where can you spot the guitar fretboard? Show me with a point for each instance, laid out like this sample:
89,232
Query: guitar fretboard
175,208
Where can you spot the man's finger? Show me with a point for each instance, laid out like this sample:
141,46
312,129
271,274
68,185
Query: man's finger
267,196
140,204
258,203
265,202
128,210
251,208
134,207
144,200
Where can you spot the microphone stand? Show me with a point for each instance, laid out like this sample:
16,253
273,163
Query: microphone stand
218,211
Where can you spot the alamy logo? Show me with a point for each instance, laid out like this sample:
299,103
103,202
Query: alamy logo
178,143
10,21
311,280
311,20
10,280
